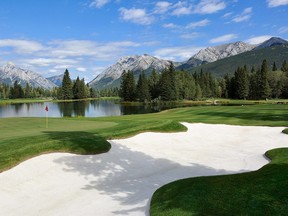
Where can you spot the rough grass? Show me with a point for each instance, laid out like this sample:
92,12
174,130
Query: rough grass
23,138
262,192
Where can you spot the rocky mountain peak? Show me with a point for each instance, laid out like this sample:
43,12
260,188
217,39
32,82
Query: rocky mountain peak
211,54
135,63
273,41
11,73
9,66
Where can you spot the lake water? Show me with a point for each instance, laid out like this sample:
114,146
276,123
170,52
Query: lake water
95,108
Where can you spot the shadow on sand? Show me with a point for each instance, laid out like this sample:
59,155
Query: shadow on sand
131,177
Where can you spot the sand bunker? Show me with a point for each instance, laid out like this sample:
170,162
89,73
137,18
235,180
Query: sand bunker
122,181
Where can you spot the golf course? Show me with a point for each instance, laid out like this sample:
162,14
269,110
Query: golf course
260,192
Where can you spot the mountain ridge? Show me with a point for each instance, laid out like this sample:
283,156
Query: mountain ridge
135,63
205,56
9,73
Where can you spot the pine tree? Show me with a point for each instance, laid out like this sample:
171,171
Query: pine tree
167,85
76,89
284,67
274,67
241,83
153,84
264,90
143,93
128,87
67,86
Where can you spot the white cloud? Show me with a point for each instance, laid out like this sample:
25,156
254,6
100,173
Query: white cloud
136,15
283,30
190,35
45,62
276,3
162,7
198,24
81,69
177,53
98,3
258,39
181,8
209,6
22,46
79,48
244,16
224,38
226,15
170,25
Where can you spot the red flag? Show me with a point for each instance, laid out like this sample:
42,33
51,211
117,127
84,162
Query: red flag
46,108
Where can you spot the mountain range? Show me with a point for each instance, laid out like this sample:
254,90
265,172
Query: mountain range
10,73
218,60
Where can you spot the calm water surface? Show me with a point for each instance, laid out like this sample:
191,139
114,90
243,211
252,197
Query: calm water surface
96,108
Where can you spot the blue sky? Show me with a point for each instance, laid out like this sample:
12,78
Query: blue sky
86,36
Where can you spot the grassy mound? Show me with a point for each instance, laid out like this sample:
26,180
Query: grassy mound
263,192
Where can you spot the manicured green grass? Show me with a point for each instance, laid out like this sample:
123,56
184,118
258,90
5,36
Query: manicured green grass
257,193
263,192
23,138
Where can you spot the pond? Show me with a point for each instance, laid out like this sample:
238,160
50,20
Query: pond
94,108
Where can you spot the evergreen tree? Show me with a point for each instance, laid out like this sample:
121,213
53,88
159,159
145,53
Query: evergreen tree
143,93
167,84
128,87
153,84
123,85
172,75
274,67
241,83
67,87
284,67
16,91
77,89
28,91
264,88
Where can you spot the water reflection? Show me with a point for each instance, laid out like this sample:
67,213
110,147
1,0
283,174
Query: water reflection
95,108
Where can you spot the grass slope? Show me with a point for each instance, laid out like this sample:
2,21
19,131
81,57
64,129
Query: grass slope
262,192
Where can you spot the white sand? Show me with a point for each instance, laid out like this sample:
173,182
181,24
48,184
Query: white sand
122,181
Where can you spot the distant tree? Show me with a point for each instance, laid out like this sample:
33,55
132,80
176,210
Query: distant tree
16,91
198,93
153,84
128,86
284,67
28,91
164,83
274,67
264,90
4,91
77,91
67,87
241,83
142,88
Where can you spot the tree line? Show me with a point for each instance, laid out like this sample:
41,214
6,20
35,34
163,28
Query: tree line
171,85
69,89
17,91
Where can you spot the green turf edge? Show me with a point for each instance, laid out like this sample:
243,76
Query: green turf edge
261,192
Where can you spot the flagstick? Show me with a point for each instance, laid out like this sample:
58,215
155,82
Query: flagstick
46,119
